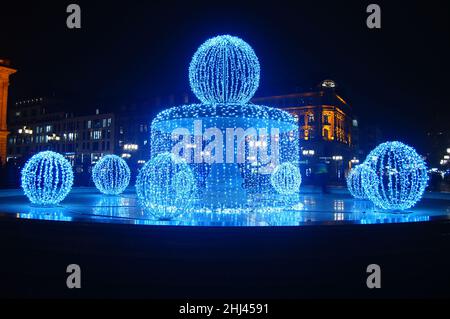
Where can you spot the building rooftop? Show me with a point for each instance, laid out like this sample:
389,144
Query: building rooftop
325,94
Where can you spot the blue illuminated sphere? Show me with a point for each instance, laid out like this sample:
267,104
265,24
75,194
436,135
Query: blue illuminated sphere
286,179
225,69
111,175
354,182
166,186
47,178
396,176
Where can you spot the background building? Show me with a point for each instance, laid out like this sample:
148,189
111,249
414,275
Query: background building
37,124
327,127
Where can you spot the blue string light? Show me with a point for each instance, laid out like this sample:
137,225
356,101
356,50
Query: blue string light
111,175
286,179
231,146
224,69
166,186
354,182
396,176
47,178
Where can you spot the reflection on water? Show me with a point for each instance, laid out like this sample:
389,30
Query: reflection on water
389,218
51,213
339,205
308,209
309,201
114,206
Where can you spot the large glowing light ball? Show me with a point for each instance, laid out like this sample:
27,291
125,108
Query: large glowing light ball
166,186
354,182
47,178
111,175
286,179
225,69
395,177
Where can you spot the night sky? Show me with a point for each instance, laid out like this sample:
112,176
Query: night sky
131,51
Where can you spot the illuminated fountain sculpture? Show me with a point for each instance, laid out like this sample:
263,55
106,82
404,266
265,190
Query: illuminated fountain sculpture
231,145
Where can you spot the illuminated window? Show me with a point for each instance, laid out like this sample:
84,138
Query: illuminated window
96,135
131,147
308,152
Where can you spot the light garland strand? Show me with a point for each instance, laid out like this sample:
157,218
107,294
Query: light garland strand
354,182
286,179
396,176
111,175
47,178
166,186
224,69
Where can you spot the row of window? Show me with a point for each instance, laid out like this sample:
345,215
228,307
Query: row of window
40,139
68,126
306,119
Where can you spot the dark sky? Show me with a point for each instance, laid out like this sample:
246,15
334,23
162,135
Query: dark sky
131,51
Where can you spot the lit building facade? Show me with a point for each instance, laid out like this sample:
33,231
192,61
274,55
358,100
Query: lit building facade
5,72
36,125
327,127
